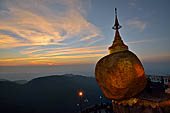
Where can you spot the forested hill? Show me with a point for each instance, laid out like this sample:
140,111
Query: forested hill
50,94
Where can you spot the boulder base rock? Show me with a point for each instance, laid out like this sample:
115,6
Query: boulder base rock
120,75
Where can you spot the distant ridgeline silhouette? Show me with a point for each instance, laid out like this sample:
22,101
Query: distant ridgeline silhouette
51,94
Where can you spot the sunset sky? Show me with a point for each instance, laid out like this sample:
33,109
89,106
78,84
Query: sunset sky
66,32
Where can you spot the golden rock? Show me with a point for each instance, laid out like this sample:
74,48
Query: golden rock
120,74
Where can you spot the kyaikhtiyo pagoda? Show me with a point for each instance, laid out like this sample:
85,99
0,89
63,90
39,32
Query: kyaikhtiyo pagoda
122,79
120,74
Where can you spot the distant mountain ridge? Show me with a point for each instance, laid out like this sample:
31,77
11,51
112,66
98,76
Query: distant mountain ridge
56,93
21,81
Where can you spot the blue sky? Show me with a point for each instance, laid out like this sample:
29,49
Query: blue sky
69,32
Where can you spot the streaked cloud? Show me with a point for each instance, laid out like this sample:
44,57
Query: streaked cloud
132,3
32,24
146,41
54,60
156,57
6,41
139,41
136,23
85,50
54,57
57,55
65,50
37,23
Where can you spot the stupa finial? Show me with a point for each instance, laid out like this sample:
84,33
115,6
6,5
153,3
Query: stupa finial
116,26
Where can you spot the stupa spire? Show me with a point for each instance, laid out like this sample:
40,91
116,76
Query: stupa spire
118,44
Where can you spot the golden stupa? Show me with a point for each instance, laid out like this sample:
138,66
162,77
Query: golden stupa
120,74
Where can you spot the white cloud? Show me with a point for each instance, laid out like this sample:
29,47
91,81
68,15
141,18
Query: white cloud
132,3
137,24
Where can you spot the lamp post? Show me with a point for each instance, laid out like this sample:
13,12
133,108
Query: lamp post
80,93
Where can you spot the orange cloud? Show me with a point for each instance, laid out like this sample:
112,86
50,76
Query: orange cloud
38,29
6,41
35,24
54,57
55,60
65,51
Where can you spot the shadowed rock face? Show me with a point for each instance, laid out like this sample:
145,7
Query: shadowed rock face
120,75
